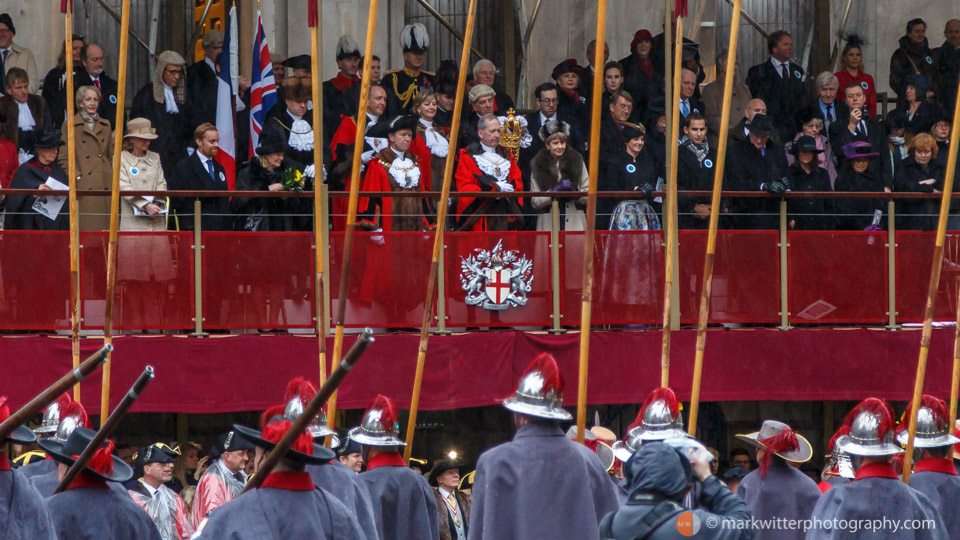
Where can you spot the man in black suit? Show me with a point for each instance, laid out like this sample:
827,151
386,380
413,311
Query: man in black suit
757,164
91,58
779,82
689,103
202,83
201,172
858,126
825,104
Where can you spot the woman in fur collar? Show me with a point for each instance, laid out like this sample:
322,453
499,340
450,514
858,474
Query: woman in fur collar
558,167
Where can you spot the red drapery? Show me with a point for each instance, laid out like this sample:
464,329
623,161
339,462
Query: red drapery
249,372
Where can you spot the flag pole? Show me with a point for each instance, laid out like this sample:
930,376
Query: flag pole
348,233
114,207
319,215
714,218
72,202
671,210
932,300
587,298
441,226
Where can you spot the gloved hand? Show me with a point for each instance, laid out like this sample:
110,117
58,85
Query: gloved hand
367,156
647,189
564,185
776,187
873,228
378,238
309,171
486,181
505,187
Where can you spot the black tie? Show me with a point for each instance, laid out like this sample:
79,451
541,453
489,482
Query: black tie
3,70
830,112
784,71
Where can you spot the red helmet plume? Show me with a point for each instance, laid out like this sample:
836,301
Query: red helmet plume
389,418
877,407
276,410
300,387
75,408
4,409
785,441
844,430
546,364
102,460
938,408
274,431
661,394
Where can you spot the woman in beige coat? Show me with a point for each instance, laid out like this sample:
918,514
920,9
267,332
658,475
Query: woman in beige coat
94,151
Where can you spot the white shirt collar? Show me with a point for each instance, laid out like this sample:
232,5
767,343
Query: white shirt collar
545,119
295,117
153,491
488,149
427,123
396,152
371,119
203,159
776,65
443,493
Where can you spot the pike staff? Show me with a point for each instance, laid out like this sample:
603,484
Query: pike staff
932,301
67,8
114,205
714,219
313,20
587,299
441,225
352,204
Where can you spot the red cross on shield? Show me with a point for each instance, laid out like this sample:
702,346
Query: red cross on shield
498,284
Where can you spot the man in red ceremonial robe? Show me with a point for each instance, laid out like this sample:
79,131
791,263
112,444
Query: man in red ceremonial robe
341,150
486,166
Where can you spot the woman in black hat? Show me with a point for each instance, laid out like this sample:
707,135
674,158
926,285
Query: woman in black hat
34,175
270,170
806,174
634,169
567,75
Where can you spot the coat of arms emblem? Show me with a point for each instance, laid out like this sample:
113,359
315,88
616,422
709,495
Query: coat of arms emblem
497,279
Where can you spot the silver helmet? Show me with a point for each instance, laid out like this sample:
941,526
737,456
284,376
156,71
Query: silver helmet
380,426
299,393
933,429
659,419
627,447
51,415
540,392
72,416
601,449
871,431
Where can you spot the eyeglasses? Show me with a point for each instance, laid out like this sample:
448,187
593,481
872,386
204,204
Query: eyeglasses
549,101
173,71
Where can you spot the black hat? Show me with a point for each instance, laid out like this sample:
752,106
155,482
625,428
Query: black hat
401,121
762,126
20,434
47,138
630,131
442,466
414,38
298,62
897,119
5,19
657,105
272,140
805,144
320,455
348,446
445,80
735,473
569,65
809,113
64,452
228,442
156,453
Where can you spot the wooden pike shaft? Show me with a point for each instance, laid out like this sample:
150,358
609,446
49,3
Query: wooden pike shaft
72,201
114,205
671,237
714,219
955,379
354,195
932,300
441,226
318,216
587,299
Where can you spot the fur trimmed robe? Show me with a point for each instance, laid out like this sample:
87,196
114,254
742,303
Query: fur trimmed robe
546,172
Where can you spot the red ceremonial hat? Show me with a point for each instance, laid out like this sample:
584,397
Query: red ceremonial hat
380,425
872,428
932,430
641,35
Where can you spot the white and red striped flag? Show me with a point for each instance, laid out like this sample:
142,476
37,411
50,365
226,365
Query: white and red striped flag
226,106
263,87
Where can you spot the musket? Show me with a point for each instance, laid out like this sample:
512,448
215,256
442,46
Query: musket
106,429
310,411
43,399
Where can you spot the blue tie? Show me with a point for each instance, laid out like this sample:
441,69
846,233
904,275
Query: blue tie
210,168
684,108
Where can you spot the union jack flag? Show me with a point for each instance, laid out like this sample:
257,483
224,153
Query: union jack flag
263,87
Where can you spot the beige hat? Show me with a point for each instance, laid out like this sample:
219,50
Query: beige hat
140,128
211,37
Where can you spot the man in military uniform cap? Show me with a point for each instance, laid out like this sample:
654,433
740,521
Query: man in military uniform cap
876,493
23,513
776,490
403,502
934,474
224,479
554,473
88,509
155,464
334,104
287,505
404,84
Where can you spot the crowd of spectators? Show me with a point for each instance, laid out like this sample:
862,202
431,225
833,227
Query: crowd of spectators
791,131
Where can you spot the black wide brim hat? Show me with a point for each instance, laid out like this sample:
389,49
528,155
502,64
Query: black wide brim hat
805,144
399,122
63,452
321,455
301,61
47,138
762,126
272,140
443,466
22,435
348,446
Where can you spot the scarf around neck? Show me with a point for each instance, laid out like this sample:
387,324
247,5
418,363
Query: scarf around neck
699,150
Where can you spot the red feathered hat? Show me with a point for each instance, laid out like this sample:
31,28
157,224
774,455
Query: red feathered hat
298,394
872,428
380,425
933,430
659,417
540,391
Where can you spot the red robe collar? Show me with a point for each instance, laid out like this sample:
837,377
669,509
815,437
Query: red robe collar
876,470
940,465
290,481
4,463
390,459
88,481
341,82
824,486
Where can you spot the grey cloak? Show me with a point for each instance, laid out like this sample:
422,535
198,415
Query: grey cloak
943,490
47,483
403,502
37,468
340,481
540,485
282,514
786,493
23,513
99,513
873,497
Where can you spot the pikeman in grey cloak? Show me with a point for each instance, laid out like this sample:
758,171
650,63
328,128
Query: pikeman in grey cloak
60,418
876,493
334,477
403,502
88,509
838,469
287,505
934,474
540,484
23,513
776,489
